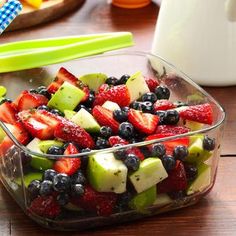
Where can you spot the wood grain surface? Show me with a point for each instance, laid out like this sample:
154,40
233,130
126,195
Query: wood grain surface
214,215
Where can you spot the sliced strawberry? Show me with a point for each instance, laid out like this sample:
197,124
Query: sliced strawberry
19,133
68,165
31,100
45,206
101,203
118,94
170,144
143,122
70,132
105,118
175,181
40,123
19,97
152,83
163,105
8,112
103,88
173,129
201,113
113,140
62,76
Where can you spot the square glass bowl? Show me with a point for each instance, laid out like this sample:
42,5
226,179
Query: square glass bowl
15,177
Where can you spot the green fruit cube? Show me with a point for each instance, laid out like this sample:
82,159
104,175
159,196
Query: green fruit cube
69,114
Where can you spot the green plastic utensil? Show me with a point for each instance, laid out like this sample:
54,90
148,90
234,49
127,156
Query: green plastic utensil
41,52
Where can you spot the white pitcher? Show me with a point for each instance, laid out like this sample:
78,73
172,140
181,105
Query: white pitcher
199,37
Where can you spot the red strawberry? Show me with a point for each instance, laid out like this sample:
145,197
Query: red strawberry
70,132
173,129
19,133
152,83
105,118
40,123
113,140
45,206
68,165
62,76
102,203
163,105
143,122
170,144
8,112
31,100
201,113
175,181
19,97
103,88
118,94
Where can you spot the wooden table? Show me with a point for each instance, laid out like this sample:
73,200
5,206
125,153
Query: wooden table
214,215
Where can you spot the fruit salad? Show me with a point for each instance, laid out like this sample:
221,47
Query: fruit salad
97,145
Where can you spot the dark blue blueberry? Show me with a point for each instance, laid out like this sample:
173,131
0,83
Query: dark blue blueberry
61,182
191,171
149,97
106,131
168,162
158,150
180,152
132,162
43,107
208,143
33,188
102,143
49,174
126,130
120,115
136,105
112,80
89,101
84,159
147,107
125,109
43,91
62,199
55,150
124,200
177,195
77,190
120,154
46,188
5,100
171,117
78,178
162,92
161,115
123,79
56,112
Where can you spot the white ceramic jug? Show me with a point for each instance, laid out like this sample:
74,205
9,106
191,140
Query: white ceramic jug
199,37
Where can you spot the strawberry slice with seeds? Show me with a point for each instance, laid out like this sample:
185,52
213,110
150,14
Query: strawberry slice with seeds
8,112
118,94
202,113
105,118
173,129
70,132
103,88
152,83
31,100
143,122
39,123
175,181
68,165
163,105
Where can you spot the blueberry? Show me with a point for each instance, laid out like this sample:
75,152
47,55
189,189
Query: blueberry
177,195
62,199
208,143
84,159
102,143
120,115
147,107
55,150
33,91
126,130
180,152
61,182
106,131
25,159
33,188
136,105
56,112
132,162
168,162
89,101
180,104
77,190
125,109
49,174
43,107
162,92
112,80
81,106
161,115
124,200
171,117
78,178
46,188
85,150
123,79
43,91
191,171
120,154
149,97
5,100
158,150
